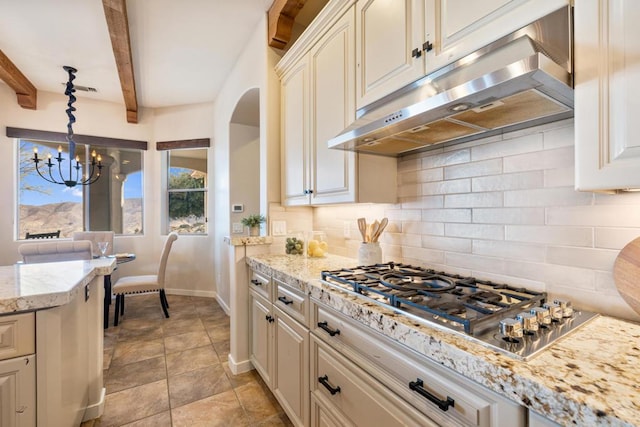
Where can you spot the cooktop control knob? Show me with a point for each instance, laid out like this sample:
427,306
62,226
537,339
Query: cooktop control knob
511,328
565,306
542,315
554,310
528,321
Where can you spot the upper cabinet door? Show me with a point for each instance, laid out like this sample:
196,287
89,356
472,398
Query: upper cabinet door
295,135
458,27
388,31
333,174
607,97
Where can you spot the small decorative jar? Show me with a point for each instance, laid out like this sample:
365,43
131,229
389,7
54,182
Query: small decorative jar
369,253
317,246
294,244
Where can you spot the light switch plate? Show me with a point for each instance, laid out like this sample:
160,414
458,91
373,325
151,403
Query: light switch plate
347,230
237,228
278,228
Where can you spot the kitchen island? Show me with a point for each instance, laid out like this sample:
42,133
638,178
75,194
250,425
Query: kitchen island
589,377
53,314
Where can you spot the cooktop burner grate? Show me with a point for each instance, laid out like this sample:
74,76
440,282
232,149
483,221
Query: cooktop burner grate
462,302
474,308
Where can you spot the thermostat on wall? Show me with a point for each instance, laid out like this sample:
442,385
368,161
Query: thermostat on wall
237,208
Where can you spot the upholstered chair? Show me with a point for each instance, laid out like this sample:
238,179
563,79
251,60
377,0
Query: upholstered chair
94,237
143,284
55,251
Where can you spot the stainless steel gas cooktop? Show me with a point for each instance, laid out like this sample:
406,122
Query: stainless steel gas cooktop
513,320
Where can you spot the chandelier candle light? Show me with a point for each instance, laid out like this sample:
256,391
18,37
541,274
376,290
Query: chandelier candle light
96,160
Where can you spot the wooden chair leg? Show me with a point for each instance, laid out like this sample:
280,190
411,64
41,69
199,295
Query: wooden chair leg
122,305
117,310
163,302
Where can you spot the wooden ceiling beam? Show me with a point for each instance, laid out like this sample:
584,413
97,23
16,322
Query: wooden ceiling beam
115,11
282,15
26,92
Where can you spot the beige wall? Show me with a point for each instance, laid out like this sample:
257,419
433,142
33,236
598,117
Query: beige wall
108,119
504,209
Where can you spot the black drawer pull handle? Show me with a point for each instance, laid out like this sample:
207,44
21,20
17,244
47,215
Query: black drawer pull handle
325,326
256,282
269,318
417,386
325,382
285,300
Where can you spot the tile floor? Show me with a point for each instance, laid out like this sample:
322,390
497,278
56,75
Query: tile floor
174,372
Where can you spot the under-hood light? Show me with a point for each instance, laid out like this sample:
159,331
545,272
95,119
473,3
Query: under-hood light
459,107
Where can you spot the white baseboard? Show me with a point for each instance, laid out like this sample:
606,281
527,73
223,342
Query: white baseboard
241,367
191,293
95,410
224,305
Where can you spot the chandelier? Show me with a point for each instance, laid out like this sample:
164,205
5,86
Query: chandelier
96,160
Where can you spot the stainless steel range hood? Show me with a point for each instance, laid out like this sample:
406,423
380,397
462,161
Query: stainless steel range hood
521,80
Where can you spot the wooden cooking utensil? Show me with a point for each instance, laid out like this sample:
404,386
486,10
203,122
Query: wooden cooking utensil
374,230
626,274
362,226
381,227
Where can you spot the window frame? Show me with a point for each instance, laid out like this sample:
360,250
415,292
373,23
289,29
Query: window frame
187,144
88,142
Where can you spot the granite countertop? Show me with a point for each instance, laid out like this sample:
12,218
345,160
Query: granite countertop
25,287
589,377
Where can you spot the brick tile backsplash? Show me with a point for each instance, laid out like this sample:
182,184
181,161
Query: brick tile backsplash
503,209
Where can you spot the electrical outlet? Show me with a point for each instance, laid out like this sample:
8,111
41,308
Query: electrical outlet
237,228
278,228
347,230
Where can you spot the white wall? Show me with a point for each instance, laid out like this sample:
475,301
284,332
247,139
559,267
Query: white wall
254,69
244,170
108,120
504,209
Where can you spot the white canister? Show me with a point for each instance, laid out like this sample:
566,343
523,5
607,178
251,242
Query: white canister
369,253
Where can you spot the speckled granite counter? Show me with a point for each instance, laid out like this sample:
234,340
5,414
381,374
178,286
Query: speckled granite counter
589,378
36,286
248,240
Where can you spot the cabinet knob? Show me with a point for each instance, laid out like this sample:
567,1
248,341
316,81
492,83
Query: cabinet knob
269,318
256,282
416,53
427,46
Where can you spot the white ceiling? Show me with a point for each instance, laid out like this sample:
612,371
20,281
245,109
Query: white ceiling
182,50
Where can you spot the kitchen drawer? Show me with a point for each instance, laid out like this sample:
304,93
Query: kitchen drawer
261,284
17,335
339,384
292,302
412,376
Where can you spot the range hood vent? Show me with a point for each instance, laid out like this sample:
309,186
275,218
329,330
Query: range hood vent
522,80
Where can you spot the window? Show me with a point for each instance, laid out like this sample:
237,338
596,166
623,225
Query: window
113,203
187,190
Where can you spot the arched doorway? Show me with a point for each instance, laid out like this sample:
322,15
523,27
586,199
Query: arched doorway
244,172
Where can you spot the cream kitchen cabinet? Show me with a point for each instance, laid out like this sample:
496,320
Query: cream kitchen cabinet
342,388
318,102
400,41
434,394
17,370
457,28
279,344
261,335
389,52
607,97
